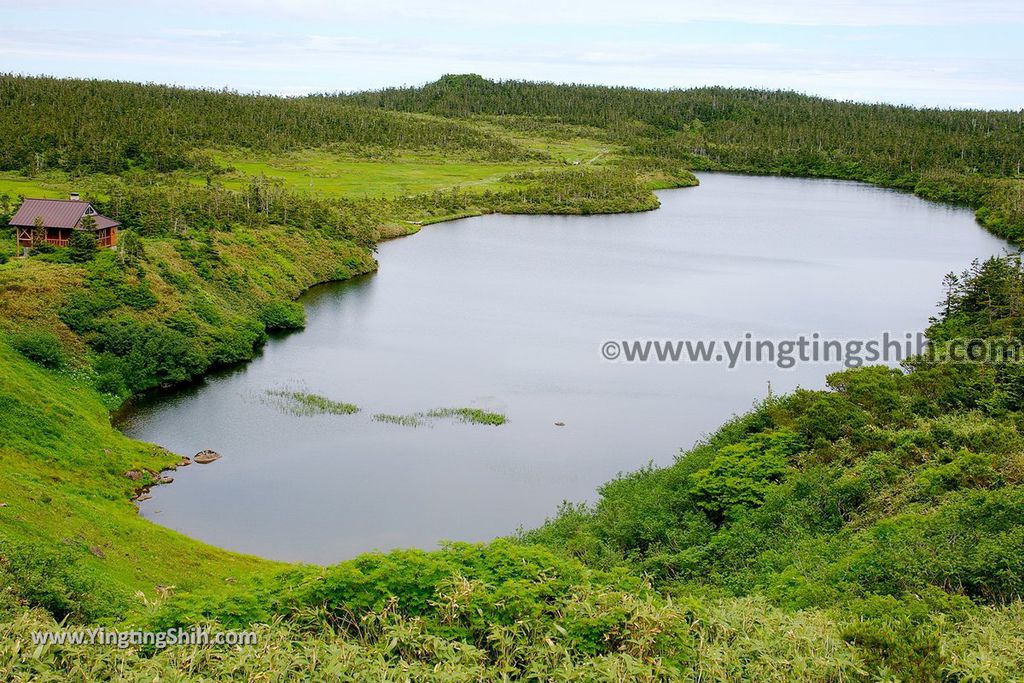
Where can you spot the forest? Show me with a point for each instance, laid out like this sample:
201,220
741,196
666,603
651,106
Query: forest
960,156
964,156
108,127
766,130
870,531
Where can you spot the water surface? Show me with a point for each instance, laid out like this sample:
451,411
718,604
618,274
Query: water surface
508,313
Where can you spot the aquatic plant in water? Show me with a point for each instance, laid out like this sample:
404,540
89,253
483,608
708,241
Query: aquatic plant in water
306,404
469,415
472,415
405,420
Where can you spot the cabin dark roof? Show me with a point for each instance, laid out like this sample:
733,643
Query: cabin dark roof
58,213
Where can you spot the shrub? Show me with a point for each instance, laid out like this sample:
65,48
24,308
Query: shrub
896,644
146,355
82,246
140,296
54,579
464,592
110,381
41,347
970,543
83,307
235,343
741,474
875,389
283,315
967,470
827,416
129,247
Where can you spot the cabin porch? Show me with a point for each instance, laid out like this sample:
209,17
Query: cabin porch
60,237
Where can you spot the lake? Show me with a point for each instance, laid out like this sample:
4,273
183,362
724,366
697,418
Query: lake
509,314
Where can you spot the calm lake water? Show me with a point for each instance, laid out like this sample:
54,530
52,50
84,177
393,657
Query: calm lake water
508,313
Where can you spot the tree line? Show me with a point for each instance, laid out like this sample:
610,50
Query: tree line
757,129
85,126
964,156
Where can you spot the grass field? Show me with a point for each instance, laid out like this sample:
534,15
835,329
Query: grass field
321,172
341,174
562,142
337,173
64,480
50,186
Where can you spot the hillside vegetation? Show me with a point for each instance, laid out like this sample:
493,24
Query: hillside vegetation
873,531
962,156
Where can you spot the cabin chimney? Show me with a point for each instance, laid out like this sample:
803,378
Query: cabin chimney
75,197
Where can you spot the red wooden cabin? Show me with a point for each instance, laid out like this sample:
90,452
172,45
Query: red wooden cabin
58,218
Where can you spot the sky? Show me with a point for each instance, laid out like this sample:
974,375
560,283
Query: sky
924,53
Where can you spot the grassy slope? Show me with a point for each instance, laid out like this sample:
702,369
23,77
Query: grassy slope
13,185
389,174
277,263
339,175
63,479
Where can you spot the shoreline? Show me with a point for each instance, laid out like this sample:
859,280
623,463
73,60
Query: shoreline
201,379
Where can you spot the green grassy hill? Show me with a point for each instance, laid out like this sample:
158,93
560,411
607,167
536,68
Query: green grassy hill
68,501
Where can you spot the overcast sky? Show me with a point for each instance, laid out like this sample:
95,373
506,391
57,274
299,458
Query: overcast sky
934,53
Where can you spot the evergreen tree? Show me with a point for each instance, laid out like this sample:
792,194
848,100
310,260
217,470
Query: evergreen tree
82,244
39,234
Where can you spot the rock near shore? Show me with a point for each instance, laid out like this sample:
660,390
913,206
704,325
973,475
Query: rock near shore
205,457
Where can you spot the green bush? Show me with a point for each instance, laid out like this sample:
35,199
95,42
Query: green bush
81,246
966,470
40,346
139,296
283,315
877,389
466,592
826,416
235,343
740,475
108,377
971,544
953,187
146,355
108,286
897,644
55,580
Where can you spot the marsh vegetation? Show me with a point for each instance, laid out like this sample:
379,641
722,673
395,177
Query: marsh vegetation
306,404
